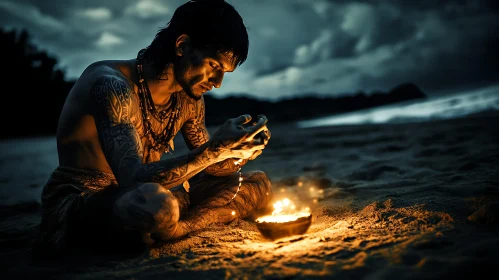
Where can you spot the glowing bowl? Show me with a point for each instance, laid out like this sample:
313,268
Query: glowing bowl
280,226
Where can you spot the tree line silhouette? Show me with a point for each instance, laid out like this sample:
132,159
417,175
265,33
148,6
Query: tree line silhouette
34,91
305,107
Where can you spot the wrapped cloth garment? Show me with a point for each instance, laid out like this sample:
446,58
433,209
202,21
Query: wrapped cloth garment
62,197
77,212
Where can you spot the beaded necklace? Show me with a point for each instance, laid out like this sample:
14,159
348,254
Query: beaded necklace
147,107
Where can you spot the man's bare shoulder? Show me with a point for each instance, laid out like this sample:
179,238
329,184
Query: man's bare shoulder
100,83
103,77
105,71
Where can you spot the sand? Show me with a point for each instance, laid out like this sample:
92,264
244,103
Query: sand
389,201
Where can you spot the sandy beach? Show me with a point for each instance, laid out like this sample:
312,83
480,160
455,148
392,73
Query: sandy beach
389,201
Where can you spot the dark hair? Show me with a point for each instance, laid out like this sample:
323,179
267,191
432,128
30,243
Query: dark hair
210,24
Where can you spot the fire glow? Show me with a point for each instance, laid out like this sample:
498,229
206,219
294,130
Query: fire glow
284,211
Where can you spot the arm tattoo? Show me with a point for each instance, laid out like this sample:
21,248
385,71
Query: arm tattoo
121,142
178,169
195,134
173,172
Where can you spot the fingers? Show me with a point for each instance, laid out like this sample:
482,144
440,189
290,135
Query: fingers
256,154
243,119
264,136
263,117
265,139
260,138
258,147
258,127
251,147
257,133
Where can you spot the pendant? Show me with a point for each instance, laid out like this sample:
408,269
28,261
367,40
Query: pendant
171,147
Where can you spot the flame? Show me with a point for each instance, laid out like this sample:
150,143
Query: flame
284,211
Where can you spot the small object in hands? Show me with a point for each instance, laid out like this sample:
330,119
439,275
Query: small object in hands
285,221
258,139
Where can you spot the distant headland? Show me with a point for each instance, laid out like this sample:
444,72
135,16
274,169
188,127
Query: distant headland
305,107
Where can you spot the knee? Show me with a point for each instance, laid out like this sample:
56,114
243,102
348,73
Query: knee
262,182
160,202
147,206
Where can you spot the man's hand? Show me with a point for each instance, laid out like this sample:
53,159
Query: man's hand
262,137
238,138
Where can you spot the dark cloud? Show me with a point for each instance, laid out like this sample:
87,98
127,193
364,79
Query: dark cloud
296,46
61,8
81,32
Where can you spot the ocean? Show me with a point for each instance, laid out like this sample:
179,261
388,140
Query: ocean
433,108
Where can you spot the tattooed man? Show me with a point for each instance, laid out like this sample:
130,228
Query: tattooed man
114,183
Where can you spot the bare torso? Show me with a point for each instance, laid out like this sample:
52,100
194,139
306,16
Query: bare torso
77,134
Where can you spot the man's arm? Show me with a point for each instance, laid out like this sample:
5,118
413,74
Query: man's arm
195,135
122,146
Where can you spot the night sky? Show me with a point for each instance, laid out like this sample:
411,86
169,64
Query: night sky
296,46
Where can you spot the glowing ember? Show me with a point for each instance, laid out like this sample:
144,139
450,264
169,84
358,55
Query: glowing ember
282,218
284,211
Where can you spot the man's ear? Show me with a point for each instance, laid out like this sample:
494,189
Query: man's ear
181,44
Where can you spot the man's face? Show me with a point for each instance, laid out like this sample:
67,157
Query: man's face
198,71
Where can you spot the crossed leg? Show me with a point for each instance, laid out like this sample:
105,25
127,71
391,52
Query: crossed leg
171,214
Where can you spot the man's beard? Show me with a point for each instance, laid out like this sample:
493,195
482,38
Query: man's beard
189,93
184,85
